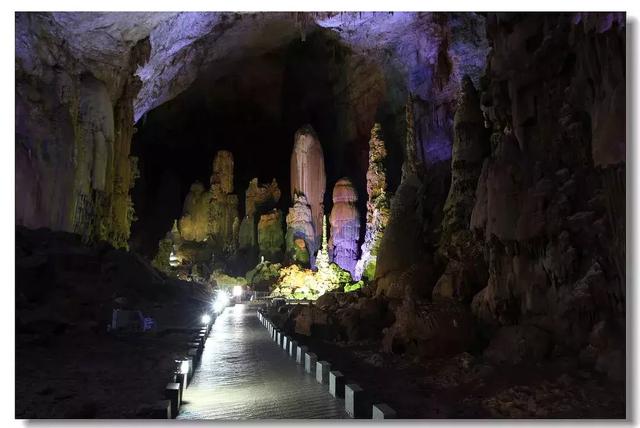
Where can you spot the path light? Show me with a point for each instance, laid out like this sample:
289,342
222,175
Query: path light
206,319
184,366
221,302
237,290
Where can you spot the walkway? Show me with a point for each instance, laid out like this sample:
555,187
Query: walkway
245,375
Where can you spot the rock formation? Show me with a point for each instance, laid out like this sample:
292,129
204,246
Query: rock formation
345,225
377,206
548,201
194,223
213,215
300,232
308,176
465,270
271,236
222,175
223,212
74,171
261,198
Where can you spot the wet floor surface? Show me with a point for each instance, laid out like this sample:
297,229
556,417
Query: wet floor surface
245,375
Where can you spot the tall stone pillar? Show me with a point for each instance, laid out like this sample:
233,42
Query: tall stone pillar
308,176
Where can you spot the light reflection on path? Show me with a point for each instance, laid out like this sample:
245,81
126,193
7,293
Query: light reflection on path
245,375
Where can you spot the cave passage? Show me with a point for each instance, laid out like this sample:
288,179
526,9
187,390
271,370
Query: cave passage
244,374
253,110
433,203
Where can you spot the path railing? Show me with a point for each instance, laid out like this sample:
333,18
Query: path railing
355,399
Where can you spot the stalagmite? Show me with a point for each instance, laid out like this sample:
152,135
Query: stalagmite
308,176
345,225
194,223
223,210
261,198
213,214
377,206
223,171
456,241
300,232
270,236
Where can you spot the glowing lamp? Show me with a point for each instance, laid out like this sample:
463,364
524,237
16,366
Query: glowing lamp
221,302
206,319
237,290
184,367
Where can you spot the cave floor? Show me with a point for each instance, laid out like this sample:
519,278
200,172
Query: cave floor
468,387
244,375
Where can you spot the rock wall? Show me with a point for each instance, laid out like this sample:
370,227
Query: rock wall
308,177
74,171
530,239
345,225
549,202
377,206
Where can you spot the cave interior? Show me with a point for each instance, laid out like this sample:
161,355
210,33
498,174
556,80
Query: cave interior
448,189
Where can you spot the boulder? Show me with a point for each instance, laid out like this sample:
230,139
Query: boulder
430,329
517,343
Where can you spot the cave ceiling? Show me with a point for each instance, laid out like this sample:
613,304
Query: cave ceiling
184,44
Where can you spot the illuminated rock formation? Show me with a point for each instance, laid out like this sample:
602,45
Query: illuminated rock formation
261,198
213,214
223,171
345,225
271,236
223,213
308,176
300,232
194,223
377,206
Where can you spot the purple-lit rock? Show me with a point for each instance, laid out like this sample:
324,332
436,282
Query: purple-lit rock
345,225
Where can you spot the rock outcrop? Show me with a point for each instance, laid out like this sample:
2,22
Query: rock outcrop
260,198
74,171
194,223
300,232
345,226
548,202
210,217
271,236
465,270
308,177
223,212
377,206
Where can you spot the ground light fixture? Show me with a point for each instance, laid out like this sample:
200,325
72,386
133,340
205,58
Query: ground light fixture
237,290
221,301
206,319
184,366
